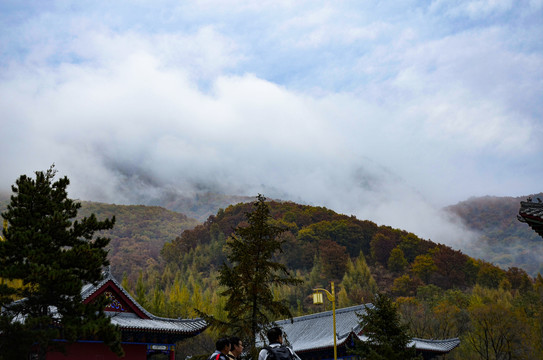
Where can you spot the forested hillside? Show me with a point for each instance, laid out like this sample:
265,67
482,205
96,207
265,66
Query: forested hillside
138,236
171,265
320,243
503,240
441,292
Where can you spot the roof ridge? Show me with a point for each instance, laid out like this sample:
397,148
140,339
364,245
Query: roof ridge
327,313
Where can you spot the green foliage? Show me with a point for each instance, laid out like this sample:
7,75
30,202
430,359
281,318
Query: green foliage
424,266
405,285
251,276
397,261
139,234
387,336
411,246
358,285
434,313
53,256
437,283
498,330
489,275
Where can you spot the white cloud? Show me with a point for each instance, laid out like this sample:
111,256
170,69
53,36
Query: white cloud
367,110
475,9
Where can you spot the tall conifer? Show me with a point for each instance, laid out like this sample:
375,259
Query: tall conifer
387,337
53,256
251,275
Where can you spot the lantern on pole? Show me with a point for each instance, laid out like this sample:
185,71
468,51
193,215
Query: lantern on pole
318,299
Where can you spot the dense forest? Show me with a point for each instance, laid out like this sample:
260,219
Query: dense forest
503,240
170,262
139,233
441,292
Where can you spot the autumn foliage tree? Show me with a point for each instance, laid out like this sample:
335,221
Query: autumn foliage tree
334,259
381,246
450,266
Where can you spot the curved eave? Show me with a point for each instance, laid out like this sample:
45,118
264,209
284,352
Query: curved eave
130,322
162,331
532,214
436,346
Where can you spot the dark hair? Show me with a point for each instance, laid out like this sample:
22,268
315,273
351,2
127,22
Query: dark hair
234,340
274,334
221,343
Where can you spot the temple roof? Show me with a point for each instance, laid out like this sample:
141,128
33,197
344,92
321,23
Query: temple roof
532,214
129,315
314,332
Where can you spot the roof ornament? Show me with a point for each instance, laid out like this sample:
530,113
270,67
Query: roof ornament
529,199
107,271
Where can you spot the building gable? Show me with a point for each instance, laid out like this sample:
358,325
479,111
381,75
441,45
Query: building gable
119,300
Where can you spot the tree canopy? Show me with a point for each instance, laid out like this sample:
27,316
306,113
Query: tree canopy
251,274
51,256
387,336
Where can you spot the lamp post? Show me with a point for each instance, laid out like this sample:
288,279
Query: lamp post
317,299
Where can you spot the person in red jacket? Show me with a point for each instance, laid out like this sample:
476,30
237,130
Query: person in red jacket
222,348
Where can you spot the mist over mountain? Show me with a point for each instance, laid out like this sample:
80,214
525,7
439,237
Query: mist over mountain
502,239
359,187
482,227
385,112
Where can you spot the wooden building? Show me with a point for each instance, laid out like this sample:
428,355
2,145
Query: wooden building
531,213
311,338
143,334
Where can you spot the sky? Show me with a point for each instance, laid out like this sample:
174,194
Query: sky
386,110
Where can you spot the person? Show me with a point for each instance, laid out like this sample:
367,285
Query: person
222,348
276,350
236,347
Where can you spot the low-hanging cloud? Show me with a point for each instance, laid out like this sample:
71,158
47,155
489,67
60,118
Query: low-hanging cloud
392,134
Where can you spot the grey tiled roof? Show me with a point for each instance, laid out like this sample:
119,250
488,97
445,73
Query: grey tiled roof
445,345
314,332
311,332
131,321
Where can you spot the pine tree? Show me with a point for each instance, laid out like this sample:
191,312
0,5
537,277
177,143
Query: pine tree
358,285
387,336
53,256
141,291
251,275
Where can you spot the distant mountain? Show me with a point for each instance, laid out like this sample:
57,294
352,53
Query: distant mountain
503,240
198,206
317,245
139,233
